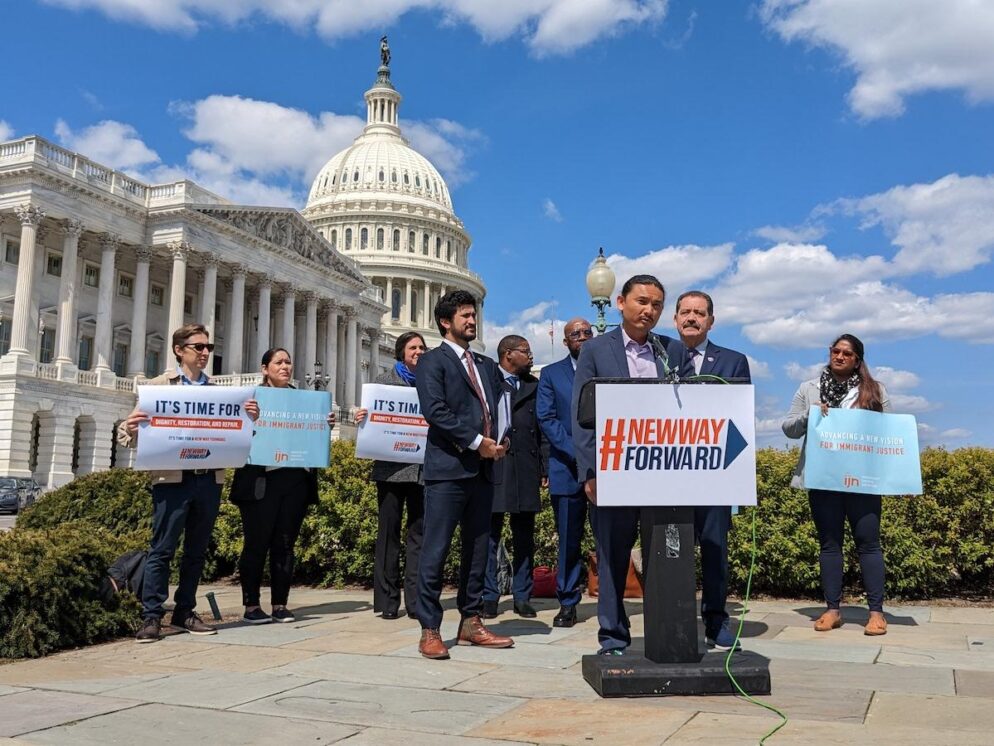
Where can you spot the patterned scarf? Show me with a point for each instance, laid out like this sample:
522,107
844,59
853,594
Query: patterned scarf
404,373
833,391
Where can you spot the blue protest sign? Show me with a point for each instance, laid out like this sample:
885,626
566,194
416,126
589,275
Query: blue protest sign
856,450
292,429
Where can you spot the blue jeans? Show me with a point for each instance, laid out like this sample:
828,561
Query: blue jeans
571,513
190,508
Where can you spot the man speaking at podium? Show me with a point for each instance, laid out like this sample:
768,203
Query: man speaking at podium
631,351
694,318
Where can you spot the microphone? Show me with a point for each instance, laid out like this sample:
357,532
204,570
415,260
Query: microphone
670,375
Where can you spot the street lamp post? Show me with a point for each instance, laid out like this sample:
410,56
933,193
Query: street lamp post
317,381
600,285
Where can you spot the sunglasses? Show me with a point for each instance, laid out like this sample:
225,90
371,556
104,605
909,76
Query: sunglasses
843,353
581,334
201,346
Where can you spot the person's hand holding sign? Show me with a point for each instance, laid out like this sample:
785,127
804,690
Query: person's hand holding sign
360,415
252,409
331,420
135,419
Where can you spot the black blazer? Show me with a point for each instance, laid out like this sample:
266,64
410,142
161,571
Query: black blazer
454,413
524,465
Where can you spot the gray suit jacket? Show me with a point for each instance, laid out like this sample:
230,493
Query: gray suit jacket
391,471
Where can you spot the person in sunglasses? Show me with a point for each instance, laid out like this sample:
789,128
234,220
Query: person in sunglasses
845,383
183,502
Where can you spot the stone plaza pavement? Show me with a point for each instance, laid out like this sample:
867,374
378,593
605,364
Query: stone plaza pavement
342,675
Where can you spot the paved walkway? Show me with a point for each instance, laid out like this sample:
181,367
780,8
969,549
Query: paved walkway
342,675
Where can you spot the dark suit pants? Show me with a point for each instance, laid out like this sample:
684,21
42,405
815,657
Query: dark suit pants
271,527
616,530
522,556
391,498
711,524
465,503
571,513
189,508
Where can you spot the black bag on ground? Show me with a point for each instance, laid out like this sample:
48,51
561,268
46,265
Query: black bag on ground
126,574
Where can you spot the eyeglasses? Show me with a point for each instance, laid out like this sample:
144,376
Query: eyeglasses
527,353
201,346
843,353
580,334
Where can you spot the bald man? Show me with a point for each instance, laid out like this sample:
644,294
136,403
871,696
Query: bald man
569,503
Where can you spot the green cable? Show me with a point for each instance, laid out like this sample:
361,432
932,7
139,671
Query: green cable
738,634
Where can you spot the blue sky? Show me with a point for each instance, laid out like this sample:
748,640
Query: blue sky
819,166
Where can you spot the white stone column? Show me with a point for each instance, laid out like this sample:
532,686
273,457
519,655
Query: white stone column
66,334
388,318
139,313
208,299
105,303
340,365
254,354
177,290
408,313
351,357
322,335
236,362
24,295
265,303
331,351
310,334
374,353
289,320
426,319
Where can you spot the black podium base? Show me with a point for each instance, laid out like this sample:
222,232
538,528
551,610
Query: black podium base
632,675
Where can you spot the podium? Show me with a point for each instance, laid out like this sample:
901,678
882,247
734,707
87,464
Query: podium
675,660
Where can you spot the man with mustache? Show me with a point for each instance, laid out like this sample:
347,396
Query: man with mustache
694,318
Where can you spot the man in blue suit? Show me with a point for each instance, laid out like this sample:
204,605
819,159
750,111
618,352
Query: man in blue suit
460,392
569,503
694,318
630,351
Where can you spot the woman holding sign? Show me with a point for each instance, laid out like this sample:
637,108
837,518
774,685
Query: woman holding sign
846,382
273,502
397,484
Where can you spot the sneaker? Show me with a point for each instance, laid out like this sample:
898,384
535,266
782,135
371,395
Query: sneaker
611,651
256,616
193,624
724,640
150,630
283,615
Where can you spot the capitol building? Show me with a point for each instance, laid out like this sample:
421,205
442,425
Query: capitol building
97,269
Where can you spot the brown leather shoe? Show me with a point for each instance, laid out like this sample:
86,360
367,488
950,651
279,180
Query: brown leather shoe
472,632
431,645
877,624
831,619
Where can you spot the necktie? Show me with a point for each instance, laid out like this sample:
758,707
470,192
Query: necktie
694,354
514,381
471,369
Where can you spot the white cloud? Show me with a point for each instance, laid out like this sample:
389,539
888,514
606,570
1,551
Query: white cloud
109,143
797,234
6,131
446,144
896,380
677,267
896,47
758,369
532,323
551,211
943,227
797,372
909,404
548,26
955,433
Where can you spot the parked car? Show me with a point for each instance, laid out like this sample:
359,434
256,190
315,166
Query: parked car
10,495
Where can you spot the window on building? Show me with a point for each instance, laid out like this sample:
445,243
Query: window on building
120,359
188,304
125,285
156,294
334,239
395,305
348,239
4,336
363,239
91,274
438,248
53,264
393,176
12,251
153,363
46,353
85,357
411,242
407,179
424,244
382,176
396,241
448,251
414,307
417,180
379,239
355,176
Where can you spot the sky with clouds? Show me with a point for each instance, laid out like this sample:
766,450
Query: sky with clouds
818,166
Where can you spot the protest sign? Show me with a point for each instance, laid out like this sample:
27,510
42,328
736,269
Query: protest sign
292,429
193,427
858,450
394,429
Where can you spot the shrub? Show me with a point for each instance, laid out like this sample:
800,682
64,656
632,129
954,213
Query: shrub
49,582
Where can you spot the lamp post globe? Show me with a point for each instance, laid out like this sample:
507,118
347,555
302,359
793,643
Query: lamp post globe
600,285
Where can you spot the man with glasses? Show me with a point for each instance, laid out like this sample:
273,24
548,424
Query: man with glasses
569,503
523,469
183,502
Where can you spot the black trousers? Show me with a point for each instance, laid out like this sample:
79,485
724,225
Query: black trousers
391,497
830,510
271,526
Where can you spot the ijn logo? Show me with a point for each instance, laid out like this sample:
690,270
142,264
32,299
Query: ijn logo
850,481
280,456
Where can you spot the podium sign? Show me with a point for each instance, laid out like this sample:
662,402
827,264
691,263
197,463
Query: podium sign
674,445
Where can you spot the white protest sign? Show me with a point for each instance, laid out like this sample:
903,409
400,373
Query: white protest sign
394,429
673,444
194,427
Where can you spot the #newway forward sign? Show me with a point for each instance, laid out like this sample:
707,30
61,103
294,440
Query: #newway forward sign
673,444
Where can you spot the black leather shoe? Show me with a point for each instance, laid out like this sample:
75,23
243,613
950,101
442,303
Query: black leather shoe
489,610
566,617
390,615
525,610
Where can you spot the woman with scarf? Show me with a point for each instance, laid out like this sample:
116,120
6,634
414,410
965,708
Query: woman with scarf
846,382
397,484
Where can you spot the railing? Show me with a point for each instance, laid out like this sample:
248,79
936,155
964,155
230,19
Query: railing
48,371
124,384
88,378
420,262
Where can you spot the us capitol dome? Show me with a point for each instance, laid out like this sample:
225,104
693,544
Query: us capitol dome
383,204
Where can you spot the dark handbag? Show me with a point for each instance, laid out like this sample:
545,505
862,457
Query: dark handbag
544,582
504,571
633,583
